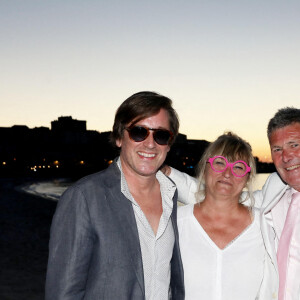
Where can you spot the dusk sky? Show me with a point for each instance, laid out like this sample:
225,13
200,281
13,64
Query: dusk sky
227,65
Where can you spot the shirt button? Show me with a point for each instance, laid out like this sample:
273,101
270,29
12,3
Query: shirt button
274,296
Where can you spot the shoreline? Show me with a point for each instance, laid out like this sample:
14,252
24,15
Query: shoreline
25,231
50,189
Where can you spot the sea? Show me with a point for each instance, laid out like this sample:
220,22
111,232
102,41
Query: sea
49,189
52,189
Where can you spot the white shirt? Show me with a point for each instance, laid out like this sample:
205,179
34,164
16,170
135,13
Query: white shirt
276,218
211,273
157,250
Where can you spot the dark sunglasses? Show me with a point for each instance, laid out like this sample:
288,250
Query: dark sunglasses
139,133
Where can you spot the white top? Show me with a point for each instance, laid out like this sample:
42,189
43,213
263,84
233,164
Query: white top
156,249
211,273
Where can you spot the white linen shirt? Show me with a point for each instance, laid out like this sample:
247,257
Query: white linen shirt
156,250
232,273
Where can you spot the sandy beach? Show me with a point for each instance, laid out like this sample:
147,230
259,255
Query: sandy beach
24,225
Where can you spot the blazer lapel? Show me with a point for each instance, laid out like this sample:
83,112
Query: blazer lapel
177,280
124,212
272,195
268,234
275,198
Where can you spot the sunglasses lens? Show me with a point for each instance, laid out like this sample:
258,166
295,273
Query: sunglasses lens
138,133
162,137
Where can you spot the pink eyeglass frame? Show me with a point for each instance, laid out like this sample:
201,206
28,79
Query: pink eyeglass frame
211,159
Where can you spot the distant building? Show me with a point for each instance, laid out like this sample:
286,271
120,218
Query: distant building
68,124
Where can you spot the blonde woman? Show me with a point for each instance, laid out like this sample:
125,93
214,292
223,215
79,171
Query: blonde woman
223,251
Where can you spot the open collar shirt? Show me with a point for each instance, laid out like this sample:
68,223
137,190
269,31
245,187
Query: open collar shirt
156,249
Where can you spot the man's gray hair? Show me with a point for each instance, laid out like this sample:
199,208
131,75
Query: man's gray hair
284,117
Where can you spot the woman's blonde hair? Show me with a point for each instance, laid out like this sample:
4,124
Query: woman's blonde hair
233,148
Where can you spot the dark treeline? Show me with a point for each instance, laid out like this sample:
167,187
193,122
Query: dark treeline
69,150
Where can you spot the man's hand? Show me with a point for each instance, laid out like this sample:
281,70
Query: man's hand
166,170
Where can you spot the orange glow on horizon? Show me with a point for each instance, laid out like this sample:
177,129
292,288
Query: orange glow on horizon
263,155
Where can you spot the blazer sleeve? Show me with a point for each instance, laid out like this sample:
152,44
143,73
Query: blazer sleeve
186,186
70,248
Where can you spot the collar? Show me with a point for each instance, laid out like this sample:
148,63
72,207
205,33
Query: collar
167,187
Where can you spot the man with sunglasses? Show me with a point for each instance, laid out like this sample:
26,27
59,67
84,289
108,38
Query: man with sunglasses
114,233
279,200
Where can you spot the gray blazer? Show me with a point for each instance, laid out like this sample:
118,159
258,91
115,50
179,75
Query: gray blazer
94,246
